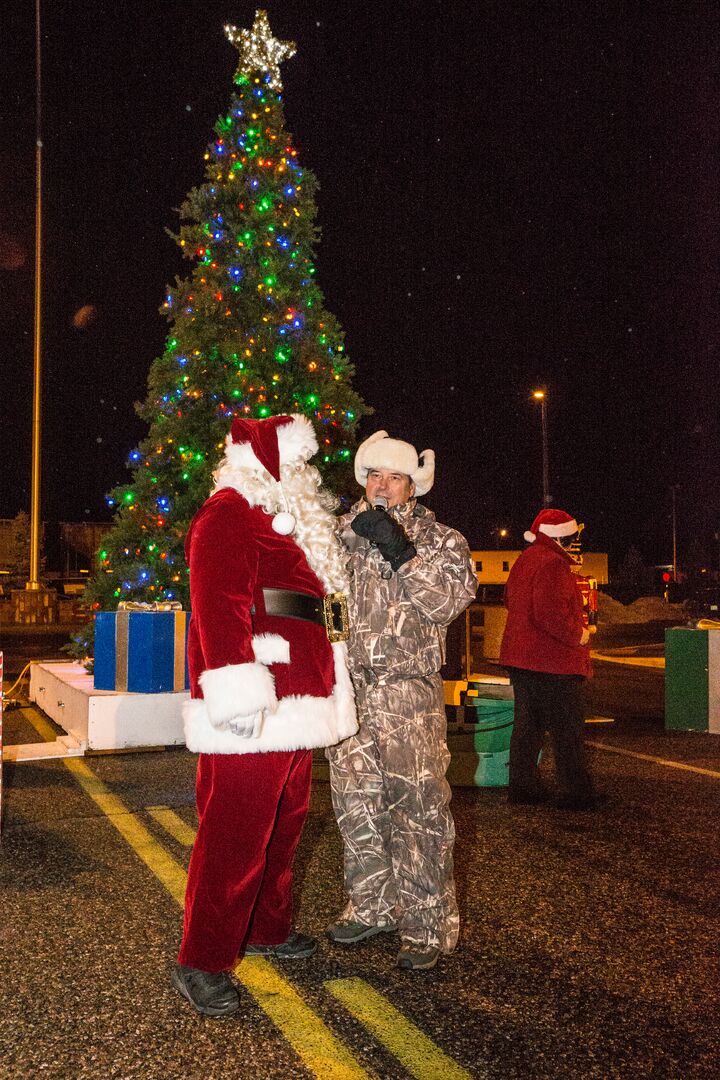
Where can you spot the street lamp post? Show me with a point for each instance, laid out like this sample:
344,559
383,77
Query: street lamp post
674,531
34,582
35,604
541,396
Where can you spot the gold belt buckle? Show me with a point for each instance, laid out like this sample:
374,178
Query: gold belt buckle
335,613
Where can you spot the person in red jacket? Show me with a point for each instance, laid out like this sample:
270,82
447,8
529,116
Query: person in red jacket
545,649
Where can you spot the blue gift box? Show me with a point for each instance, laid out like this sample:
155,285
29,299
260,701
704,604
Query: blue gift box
141,651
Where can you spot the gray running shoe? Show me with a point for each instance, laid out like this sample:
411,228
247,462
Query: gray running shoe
416,958
297,947
349,932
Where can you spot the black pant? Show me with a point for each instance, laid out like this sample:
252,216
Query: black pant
553,703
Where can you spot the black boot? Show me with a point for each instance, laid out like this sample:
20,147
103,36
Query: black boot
209,993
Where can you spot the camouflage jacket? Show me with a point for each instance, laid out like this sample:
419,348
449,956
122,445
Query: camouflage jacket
398,620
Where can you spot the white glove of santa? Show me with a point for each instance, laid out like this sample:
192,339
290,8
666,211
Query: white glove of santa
585,636
247,727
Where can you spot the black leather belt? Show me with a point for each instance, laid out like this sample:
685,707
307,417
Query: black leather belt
294,605
329,611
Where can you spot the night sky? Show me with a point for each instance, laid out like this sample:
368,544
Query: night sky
511,195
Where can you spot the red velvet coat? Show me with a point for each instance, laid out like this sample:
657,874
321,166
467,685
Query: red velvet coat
544,623
242,661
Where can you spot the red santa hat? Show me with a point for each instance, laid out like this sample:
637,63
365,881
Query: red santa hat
265,445
554,523
269,443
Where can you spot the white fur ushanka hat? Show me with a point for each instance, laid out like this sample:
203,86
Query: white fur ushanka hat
381,452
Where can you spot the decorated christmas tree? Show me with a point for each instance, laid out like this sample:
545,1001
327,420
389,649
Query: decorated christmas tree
249,336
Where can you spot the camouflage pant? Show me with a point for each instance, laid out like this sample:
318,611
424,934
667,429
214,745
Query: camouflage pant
391,801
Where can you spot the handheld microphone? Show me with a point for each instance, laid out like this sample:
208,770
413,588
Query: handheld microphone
380,503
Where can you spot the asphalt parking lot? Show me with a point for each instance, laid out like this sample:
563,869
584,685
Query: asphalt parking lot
589,945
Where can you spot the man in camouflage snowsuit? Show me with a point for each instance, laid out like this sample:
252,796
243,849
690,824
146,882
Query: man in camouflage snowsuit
410,577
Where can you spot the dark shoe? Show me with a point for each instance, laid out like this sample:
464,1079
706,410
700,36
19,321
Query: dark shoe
209,993
581,802
417,958
525,798
349,932
297,947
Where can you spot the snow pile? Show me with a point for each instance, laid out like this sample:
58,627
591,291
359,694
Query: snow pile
644,609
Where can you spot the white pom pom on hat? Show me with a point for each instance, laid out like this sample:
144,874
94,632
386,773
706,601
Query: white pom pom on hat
554,523
379,451
283,523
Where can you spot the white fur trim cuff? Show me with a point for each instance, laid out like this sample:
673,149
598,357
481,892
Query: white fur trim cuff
271,649
299,722
237,690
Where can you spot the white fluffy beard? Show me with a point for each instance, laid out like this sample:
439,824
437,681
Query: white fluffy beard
301,493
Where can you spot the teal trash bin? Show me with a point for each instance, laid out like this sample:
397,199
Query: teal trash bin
493,724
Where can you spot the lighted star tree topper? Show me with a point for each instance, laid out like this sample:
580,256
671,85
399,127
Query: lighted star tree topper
250,335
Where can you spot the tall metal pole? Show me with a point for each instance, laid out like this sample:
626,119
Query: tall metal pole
674,531
34,582
541,396
547,497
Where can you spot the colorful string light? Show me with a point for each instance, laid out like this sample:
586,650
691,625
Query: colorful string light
249,332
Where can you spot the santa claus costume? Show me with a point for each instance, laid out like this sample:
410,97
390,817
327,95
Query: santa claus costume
267,686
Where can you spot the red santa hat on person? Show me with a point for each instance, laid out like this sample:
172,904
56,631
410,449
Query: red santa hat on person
265,445
554,523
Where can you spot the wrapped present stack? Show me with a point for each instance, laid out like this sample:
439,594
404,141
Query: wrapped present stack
141,648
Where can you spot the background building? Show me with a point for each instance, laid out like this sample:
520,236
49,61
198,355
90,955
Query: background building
492,567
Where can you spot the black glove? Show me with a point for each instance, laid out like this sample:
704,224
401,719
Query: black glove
387,536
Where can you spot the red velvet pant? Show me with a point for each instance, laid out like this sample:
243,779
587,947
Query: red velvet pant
251,810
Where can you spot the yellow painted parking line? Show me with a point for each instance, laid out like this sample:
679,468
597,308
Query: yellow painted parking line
656,760
319,1049
310,1038
44,729
146,847
414,1050
173,824
657,662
